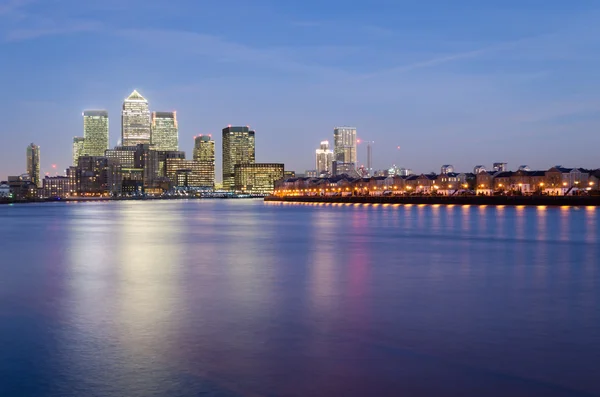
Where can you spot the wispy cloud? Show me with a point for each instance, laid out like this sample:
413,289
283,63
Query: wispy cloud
52,29
11,6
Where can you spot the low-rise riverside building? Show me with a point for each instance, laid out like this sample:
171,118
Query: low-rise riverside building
556,181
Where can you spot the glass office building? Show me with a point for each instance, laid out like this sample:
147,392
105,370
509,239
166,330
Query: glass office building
135,121
238,148
165,132
95,132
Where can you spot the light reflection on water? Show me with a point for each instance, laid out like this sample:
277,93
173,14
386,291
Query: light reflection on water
231,297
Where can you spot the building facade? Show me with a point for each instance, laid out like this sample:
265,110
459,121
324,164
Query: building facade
189,173
204,153
257,178
238,149
56,186
135,121
165,131
95,132
77,148
33,164
344,141
324,159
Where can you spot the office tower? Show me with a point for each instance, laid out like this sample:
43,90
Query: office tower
95,132
204,154
345,148
501,167
92,175
33,164
77,148
257,178
324,158
238,148
447,169
165,132
124,156
135,121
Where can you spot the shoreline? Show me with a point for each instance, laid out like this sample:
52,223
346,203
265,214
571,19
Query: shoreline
552,201
93,199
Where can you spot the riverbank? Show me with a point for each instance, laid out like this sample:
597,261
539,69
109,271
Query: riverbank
90,199
454,200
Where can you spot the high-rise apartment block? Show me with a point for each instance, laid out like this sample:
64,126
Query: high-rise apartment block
344,151
77,148
95,132
324,159
165,132
33,164
204,154
238,148
500,167
135,121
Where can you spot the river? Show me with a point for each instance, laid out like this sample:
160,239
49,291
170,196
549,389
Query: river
246,298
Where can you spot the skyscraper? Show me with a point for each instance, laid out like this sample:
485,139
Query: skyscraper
95,132
238,148
135,121
324,158
77,148
33,164
204,154
345,147
165,132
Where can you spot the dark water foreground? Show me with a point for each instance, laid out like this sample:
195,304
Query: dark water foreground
246,298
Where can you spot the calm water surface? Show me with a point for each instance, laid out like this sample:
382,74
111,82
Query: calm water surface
244,298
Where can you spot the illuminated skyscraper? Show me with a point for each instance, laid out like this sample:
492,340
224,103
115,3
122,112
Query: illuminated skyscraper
77,149
204,154
238,148
95,132
165,131
324,158
345,147
33,164
135,121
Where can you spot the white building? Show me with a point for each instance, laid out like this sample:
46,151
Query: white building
324,159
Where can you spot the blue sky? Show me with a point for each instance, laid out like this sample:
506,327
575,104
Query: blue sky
460,82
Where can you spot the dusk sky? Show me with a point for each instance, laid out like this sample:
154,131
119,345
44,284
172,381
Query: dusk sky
452,82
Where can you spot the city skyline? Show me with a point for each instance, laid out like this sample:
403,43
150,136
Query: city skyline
467,89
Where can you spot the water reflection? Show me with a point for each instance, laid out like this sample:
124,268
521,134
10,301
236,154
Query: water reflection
246,298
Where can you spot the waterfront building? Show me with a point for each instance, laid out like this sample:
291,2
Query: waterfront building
500,167
165,131
56,186
447,169
478,169
33,164
257,178
238,149
324,159
135,121
189,173
95,132
91,175
77,148
204,154
4,190
22,186
345,148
